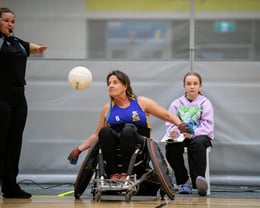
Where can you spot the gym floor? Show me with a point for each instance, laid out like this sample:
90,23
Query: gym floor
61,195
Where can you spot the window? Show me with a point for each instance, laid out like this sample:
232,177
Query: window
230,40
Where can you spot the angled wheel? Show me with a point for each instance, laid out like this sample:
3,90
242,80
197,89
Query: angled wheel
161,168
86,171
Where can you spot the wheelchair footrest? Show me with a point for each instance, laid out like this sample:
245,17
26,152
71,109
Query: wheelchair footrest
110,185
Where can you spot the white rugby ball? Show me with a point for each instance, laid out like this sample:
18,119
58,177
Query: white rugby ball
80,78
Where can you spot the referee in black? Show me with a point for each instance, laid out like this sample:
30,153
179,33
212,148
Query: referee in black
13,106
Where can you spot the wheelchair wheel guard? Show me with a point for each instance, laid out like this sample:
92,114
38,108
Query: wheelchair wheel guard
86,171
161,168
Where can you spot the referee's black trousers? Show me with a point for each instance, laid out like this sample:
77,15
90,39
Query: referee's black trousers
13,114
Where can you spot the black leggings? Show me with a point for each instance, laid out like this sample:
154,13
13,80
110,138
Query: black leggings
127,141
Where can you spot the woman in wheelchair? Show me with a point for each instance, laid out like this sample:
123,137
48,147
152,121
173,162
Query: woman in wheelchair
124,123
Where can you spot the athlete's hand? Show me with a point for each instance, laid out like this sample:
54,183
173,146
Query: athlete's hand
186,127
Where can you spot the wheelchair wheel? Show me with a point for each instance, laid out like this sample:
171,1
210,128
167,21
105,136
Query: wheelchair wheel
86,171
161,168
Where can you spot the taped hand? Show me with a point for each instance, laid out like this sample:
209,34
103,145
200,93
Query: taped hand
186,127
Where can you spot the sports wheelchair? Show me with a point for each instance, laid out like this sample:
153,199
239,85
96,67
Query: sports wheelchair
147,177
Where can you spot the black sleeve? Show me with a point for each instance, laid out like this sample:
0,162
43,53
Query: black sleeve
26,46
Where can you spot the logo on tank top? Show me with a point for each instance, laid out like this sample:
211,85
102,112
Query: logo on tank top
135,116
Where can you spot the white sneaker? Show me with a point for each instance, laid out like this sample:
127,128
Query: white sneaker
202,185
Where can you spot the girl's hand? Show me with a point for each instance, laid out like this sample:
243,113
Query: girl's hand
174,133
187,135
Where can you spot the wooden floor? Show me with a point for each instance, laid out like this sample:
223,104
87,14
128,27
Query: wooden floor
52,201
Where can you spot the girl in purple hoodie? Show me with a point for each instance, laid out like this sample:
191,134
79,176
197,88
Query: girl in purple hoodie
196,109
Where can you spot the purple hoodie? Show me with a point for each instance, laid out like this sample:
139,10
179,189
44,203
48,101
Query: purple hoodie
199,111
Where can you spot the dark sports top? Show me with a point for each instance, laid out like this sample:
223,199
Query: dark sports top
117,117
13,58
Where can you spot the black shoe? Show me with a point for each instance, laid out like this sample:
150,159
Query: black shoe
19,194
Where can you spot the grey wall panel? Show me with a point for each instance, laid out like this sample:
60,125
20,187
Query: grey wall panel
60,118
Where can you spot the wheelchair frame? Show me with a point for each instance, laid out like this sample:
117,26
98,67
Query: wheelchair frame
156,171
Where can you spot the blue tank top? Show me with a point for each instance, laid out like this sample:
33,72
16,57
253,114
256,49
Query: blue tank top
117,117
